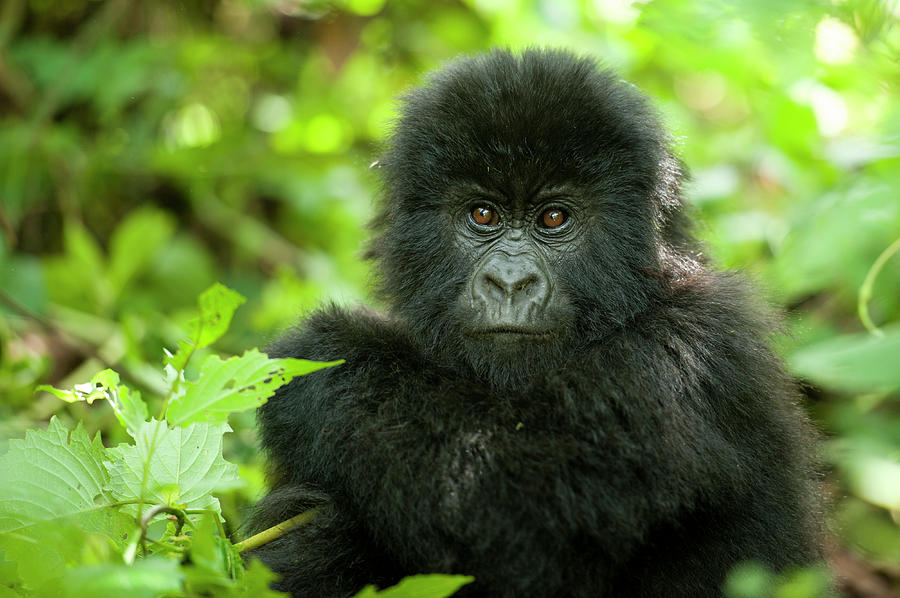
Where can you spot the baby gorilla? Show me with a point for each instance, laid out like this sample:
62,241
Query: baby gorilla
562,398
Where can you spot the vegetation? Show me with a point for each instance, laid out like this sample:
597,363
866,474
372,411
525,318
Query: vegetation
148,150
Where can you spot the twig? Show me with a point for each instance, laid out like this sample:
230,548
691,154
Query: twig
276,531
152,512
865,291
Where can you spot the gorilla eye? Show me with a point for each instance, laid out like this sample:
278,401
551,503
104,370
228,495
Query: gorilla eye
552,218
485,216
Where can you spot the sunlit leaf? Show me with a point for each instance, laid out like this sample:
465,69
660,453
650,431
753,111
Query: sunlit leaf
181,466
135,242
50,474
53,493
420,586
127,404
217,305
146,578
236,384
852,362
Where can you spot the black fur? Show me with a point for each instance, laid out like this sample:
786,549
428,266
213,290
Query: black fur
646,448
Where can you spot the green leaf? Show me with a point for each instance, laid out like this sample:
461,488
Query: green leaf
146,578
179,467
255,583
77,278
50,474
8,574
852,362
217,305
175,363
89,392
52,491
135,242
22,279
42,552
420,586
130,409
809,582
236,384
211,560
749,579
79,393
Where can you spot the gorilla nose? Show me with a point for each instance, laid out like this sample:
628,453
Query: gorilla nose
511,282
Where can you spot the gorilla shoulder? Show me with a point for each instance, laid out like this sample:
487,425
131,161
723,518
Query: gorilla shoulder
344,333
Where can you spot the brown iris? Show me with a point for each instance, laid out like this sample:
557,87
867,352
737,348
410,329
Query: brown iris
485,216
553,218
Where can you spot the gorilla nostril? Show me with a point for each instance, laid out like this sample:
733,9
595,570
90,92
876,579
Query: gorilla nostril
508,286
493,286
527,284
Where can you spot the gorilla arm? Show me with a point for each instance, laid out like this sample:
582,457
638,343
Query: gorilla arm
446,476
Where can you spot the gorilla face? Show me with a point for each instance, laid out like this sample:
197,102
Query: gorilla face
513,294
513,307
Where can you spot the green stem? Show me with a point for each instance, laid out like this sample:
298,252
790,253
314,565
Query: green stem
150,451
865,291
276,531
215,517
147,517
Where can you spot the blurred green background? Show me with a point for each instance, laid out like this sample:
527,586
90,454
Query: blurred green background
148,149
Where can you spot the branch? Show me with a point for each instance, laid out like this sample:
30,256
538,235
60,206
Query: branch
276,531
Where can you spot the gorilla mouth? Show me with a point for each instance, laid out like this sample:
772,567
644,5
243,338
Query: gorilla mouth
511,332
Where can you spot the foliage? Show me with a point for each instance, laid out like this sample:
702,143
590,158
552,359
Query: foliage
150,149
752,580
78,519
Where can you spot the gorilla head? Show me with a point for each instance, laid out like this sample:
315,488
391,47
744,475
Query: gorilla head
530,203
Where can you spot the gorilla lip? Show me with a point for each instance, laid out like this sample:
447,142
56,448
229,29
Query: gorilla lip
501,331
